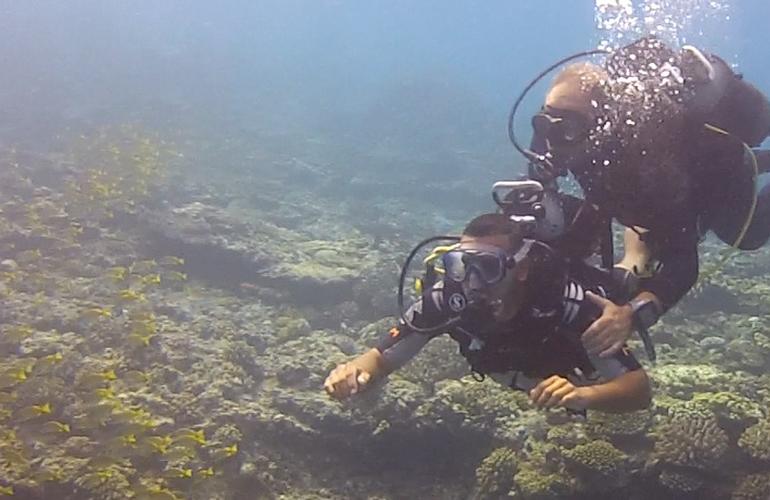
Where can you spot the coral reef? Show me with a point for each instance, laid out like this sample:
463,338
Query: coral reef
697,443
619,427
494,476
531,483
170,340
756,441
597,458
752,487
680,482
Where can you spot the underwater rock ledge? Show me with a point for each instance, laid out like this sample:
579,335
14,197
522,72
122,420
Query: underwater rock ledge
227,251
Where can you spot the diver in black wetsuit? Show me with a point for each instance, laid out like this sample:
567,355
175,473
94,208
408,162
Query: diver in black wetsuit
517,313
660,141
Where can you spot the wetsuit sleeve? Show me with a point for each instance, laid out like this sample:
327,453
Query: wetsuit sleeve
677,274
616,365
401,343
579,313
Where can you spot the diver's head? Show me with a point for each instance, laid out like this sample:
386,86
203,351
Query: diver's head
572,106
490,264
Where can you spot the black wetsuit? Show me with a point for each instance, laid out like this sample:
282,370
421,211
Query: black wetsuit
719,199
541,340
702,179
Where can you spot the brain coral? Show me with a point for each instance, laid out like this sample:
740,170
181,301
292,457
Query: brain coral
690,442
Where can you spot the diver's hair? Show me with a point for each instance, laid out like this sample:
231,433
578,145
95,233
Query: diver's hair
494,224
578,87
584,75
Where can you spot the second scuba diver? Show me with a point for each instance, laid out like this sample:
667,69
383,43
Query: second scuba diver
516,311
661,141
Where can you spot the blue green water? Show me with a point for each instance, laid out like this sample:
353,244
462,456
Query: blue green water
291,152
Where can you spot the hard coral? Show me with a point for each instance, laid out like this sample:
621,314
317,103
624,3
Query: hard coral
756,440
753,487
597,458
729,407
533,484
697,443
680,482
618,426
494,476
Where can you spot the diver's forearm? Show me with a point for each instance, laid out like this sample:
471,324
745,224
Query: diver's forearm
628,392
372,363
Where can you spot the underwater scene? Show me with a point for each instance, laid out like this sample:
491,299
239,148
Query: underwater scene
219,278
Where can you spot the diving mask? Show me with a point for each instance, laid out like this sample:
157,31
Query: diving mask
481,265
560,127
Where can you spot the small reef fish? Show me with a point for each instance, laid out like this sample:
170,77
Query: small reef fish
171,260
189,437
96,479
55,427
46,475
33,411
150,279
158,444
139,340
118,274
49,360
143,267
96,313
178,473
180,454
175,276
207,472
8,397
226,452
17,333
130,295
96,379
12,377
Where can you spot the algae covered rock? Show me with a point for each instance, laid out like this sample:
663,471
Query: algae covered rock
232,249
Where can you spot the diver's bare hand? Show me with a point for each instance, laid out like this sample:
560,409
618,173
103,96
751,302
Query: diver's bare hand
345,380
609,333
558,391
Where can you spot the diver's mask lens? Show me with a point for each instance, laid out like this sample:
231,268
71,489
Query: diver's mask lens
560,128
489,265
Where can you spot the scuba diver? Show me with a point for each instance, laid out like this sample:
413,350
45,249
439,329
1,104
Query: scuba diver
516,311
660,141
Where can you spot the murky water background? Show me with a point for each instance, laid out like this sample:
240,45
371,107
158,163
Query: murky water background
204,207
